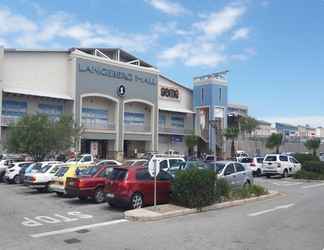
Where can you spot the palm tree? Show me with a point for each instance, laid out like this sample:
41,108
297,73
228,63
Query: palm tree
231,134
313,144
247,124
274,141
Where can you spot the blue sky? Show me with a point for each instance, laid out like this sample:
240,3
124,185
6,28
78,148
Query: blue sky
273,49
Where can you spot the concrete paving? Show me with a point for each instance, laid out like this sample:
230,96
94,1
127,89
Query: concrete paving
293,221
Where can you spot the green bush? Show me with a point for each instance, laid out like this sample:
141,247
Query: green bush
222,190
314,166
257,190
303,174
302,158
194,188
248,191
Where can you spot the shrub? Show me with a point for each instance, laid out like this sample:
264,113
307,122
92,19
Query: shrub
257,190
194,188
314,166
302,174
248,191
222,189
302,158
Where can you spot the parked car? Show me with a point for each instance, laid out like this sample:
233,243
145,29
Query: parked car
67,170
89,184
83,159
186,166
12,172
256,166
170,163
109,162
209,158
277,164
34,168
5,161
246,162
240,154
135,162
134,187
321,156
233,172
42,178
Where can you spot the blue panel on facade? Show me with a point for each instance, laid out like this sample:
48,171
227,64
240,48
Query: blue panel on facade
134,118
14,108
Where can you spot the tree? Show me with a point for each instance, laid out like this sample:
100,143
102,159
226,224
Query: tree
274,141
313,144
231,134
39,136
247,124
191,142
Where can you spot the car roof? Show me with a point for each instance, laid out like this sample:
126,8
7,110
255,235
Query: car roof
225,162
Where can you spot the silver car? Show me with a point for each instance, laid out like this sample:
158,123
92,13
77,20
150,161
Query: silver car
234,172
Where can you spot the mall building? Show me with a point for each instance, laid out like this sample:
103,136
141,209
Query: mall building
124,105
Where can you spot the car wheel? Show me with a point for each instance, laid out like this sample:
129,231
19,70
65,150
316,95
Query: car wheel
137,201
268,176
16,180
285,174
258,173
99,195
111,204
59,194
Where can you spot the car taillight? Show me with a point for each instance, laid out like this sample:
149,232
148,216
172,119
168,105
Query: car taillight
33,178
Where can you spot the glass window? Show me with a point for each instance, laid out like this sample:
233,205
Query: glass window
163,176
62,171
45,168
293,160
91,171
283,158
217,167
271,158
229,169
246,160
239,167
175,163
139,163
55,169
143,175
164,164
118,174
86,158
260,160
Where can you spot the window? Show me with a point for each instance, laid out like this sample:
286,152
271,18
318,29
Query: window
163,176
246,160
175,163
293,160
62,171
45,168
164,164
283,158
177,121
118,174
239,167
86,158
54,170
162,120
271,158
229,169
202,96
260,160
134,118
217,167
91,171
139,163
220,95
143,175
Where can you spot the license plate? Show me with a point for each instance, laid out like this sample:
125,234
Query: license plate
109,195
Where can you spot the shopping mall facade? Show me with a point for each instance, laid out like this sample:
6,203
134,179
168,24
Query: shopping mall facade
124,105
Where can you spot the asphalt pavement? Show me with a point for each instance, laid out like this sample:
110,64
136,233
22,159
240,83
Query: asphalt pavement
292,221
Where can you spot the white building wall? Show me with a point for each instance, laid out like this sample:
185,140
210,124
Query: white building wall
43,73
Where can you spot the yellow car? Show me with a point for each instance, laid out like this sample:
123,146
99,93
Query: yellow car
67,170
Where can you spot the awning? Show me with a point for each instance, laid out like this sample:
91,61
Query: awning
177,110
36,93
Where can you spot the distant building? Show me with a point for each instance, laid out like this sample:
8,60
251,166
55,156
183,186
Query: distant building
263,129
237,109
286,129
320,132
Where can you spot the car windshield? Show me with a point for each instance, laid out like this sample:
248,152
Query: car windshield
193,164
271,158
217,167
33,166
55,169
45,168
62,171
139,163
246,160
117,174
91,171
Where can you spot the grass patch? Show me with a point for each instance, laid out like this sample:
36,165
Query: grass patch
308,175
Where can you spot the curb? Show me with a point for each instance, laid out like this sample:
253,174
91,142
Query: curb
144,214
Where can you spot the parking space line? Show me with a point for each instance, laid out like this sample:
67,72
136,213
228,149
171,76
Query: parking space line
74,229
314,185
271,210
287,184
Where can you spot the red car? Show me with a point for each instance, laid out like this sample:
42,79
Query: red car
90,183
134,187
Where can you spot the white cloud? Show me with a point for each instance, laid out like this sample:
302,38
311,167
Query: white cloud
20,31
313,121
222,21
242,33
200,53
168,7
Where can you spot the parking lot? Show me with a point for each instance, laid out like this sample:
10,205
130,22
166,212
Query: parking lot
31,220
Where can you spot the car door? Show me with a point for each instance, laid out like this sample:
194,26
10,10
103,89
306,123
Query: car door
163,186
284,161
295,164
229,174
241,174
145,183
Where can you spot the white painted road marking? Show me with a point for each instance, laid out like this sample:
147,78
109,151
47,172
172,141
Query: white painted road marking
286,184
271,209
314,185
74,229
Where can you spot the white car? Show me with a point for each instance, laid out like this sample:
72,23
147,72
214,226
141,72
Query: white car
83,159
170,163
255,164
109,163
321,156
12,172
42,178
135,162
278,164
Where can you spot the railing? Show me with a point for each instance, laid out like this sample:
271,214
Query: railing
136,128
96,125
6,120
181,131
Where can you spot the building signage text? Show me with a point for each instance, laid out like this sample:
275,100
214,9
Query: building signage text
169,93
103,71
